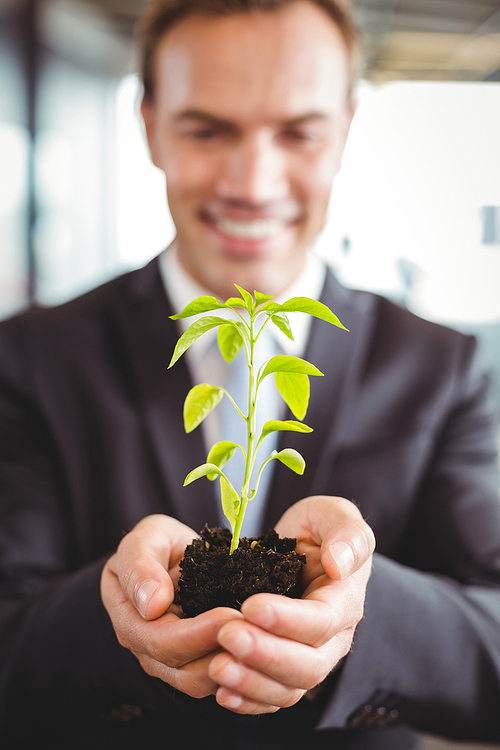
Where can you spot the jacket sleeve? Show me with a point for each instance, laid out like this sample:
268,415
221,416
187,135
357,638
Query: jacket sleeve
427,652
59,656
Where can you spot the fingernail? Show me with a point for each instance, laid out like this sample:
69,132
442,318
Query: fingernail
239,643
343,556
144,594
229,700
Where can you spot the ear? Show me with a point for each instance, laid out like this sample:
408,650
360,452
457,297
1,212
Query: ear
148,115
350,112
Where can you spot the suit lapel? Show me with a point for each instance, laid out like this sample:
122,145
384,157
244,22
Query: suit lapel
149,338
339,355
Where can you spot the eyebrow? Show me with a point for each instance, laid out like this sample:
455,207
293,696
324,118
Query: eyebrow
197,114
308,117
206,117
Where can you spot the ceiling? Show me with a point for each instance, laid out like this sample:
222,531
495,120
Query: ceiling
452,40
431,39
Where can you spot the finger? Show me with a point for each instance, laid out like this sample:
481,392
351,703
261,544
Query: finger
310,621
169,640
250,684
334,525
143,561
177,642
192,679
293,664
240,705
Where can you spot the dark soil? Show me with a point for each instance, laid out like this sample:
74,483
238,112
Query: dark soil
211,577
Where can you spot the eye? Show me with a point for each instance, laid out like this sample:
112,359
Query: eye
299,137
205,134
296,135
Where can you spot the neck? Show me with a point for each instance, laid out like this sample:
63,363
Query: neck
271,280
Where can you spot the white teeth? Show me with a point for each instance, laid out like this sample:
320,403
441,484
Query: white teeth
257,229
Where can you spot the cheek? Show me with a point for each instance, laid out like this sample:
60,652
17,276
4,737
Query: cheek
189,175
316,179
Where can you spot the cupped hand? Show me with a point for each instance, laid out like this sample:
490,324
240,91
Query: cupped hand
284,647
137,588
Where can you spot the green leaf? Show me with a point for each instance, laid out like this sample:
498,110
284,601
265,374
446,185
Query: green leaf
199,402
312,307
230,340
288,425
260,299
195,330
230,501
246,296
281,321
229,497
286,363
220,453
201,471
292,459
235,302
270,307
295,389
198,305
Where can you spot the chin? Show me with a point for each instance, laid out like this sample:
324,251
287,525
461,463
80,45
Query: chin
267,269
267,280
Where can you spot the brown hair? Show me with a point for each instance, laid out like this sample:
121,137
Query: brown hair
161,15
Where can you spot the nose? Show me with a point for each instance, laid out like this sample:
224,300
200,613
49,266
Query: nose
254,171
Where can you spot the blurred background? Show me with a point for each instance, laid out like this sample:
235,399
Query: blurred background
415,211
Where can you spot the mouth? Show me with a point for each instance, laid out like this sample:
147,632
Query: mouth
242,234
254,229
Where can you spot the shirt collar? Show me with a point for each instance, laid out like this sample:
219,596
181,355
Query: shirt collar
181,289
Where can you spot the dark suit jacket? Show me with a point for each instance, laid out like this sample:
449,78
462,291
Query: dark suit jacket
91,441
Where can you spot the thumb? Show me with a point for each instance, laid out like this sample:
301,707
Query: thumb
346,547
149,588
144,561
336,527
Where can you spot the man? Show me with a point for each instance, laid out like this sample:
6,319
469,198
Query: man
247,112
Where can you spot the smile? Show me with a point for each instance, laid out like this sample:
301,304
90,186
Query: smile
256,229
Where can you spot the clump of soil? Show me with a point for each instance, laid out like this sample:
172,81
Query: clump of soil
211,577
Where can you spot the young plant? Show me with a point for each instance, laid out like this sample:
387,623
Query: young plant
292,381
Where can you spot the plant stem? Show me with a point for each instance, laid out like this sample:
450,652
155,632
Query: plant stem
250,457
237,527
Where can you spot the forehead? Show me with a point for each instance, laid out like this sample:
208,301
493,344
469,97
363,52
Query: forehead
279,63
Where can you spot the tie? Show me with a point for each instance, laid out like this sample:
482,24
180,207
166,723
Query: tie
234,428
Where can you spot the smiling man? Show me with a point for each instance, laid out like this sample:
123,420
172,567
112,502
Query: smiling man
247,107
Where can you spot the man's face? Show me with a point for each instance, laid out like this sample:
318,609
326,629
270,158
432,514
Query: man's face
248,122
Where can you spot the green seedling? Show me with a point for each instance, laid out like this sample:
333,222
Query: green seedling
291,374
